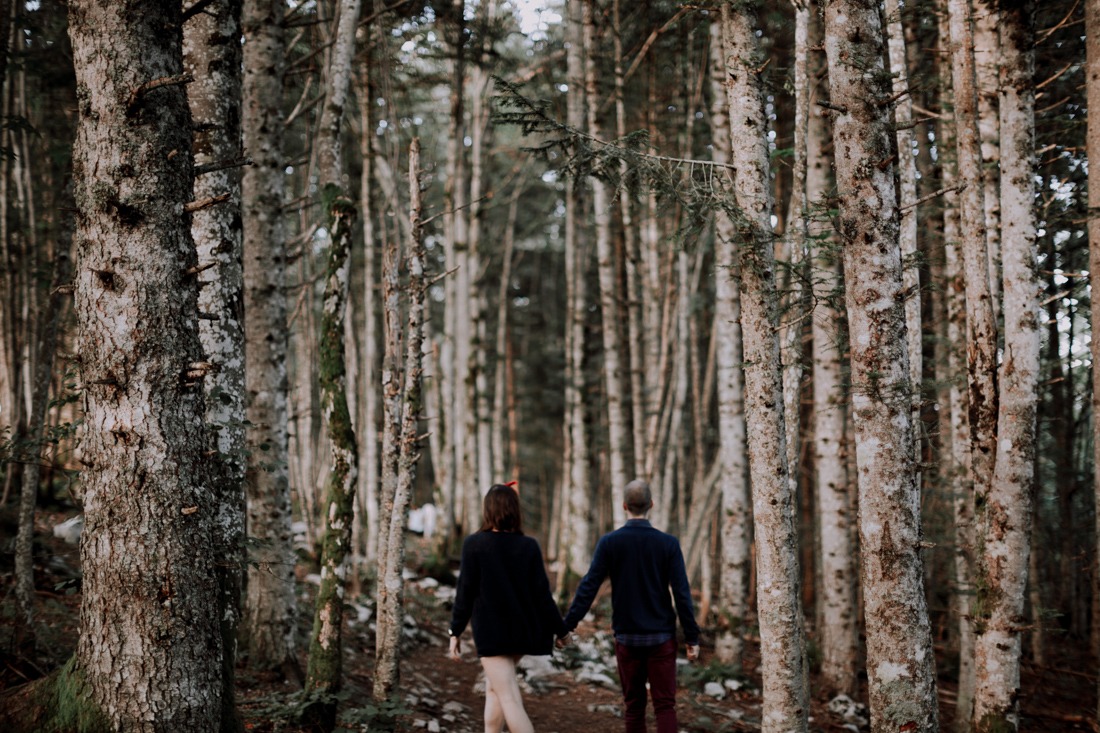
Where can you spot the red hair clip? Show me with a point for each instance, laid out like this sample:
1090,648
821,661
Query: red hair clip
513,485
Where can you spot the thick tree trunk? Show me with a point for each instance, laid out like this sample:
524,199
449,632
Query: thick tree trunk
900,664
150,646
1005,514
212,55
270,613
782,643
735,523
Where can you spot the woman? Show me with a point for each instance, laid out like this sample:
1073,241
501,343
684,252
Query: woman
503,585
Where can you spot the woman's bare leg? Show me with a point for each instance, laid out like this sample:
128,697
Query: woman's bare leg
500,677
494,715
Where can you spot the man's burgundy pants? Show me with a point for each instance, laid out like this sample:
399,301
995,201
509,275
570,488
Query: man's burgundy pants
657,666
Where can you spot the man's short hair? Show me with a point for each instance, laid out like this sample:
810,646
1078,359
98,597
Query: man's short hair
637,496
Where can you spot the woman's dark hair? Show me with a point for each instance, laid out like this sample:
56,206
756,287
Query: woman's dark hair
502,511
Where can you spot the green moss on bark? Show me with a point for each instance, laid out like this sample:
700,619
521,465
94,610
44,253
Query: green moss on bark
65,704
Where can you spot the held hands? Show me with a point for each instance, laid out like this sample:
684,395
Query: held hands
692,652
455,651
563,641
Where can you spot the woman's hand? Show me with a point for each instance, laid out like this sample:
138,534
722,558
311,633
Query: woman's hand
455,652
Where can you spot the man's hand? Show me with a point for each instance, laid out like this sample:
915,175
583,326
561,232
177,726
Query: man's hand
693,652
455,652
563,641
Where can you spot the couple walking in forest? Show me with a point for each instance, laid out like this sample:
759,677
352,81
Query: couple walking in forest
503,587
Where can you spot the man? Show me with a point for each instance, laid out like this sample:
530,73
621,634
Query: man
643,563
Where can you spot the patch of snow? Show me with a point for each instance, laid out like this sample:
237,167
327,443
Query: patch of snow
69,530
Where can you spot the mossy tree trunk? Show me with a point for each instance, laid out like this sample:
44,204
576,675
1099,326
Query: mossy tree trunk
324,673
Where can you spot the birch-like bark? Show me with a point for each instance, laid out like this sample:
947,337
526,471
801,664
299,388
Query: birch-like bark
1092,49
981,329
367,429
1005,515
839,615
735,520
150,645
503,460
900,665
907,197
606,265
577,527
632,266
324,673
480,419
9,376
795,243
212,55
987,61
408,401
782,642
957,444
270,606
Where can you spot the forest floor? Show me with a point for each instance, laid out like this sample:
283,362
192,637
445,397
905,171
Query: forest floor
575,690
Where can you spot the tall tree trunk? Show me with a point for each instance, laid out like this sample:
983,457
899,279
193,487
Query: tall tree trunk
786,696
957,444
1005,512
212,55
900,662
367,429
987,61
735,522
324,673
980,334
270,615
617,427
36,426
14,321
794,242
403,414
481,419
503,459
150,646
981,329
1092,47
839,627
635,331
577,504
907,199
